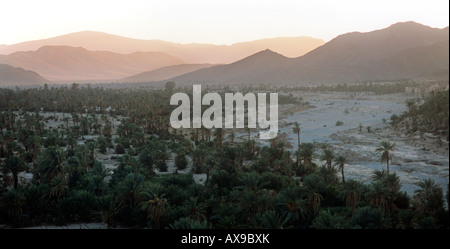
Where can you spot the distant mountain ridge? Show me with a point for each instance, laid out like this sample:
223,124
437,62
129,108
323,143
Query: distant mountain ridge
165,73
193,53
406,50
10,75
402,51
62,63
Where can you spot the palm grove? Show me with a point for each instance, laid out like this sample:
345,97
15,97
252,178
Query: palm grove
247,185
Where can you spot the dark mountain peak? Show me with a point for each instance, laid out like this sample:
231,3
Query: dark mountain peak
264,55
356,47
407,24
267,52
407,30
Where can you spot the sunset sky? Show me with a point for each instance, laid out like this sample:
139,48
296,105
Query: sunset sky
211,21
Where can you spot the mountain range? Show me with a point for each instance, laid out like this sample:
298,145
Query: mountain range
61,63
193,53
406,50
402,51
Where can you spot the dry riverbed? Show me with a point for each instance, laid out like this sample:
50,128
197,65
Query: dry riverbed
416,156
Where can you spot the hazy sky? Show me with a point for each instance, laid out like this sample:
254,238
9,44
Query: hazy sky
212,21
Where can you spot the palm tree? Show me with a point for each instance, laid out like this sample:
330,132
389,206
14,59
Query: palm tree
59,187
12,202
328,156
107,211
378,195
314,200
307,152
378,175
248,132
219,134
180,159
91,146
296,130
2,143
34,146
195,208
231,136
270,219
429,198
210,162
147,158
15,165
352,191
369,218
51,163
328,220
340,161
292,204
156,205
199,156
385,148
128,189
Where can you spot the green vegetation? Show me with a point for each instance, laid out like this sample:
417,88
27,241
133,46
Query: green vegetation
431,116
386,148
359,88
58,137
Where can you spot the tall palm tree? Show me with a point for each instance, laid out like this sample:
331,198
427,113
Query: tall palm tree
199,157
248,132
296,130
340,161
210,161
2,143
385,148
307,153
231,136
91,145
219,134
